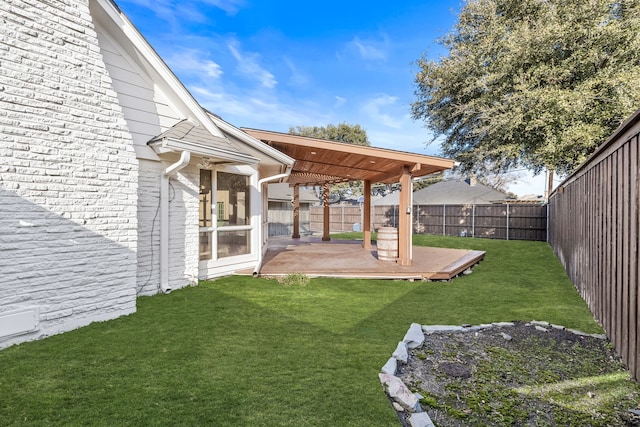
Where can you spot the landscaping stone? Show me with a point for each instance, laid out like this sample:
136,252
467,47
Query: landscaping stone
390,367
404,401
430,329
400,393
420,419
577,332
539,323
501,324
401,353
414,336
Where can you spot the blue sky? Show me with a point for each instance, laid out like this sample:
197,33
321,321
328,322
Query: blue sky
275,64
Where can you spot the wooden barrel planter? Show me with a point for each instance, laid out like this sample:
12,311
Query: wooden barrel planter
387,244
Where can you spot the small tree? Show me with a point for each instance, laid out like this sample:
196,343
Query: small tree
343,132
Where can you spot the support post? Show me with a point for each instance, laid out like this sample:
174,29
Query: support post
405,218
366,216
296,211
326,213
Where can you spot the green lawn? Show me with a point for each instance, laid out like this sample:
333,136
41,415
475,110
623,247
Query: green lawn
242,351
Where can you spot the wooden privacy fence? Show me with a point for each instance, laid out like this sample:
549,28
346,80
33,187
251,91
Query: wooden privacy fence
281,219
504,221
593,230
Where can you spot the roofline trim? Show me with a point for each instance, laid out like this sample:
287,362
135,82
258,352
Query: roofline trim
306,141
253,142
171,144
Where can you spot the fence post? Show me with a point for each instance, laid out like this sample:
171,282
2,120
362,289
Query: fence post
547,222
507,221
473,221
444,220
342,217
394,215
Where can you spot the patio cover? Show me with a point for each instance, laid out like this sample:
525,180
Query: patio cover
323,162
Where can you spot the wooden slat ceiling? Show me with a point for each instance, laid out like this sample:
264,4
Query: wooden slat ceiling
318,161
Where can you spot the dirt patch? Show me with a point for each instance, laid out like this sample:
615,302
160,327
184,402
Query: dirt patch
521,375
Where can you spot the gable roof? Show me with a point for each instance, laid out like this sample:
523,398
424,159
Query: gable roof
283,192
319,161
136,46
188,136
391,199
457,192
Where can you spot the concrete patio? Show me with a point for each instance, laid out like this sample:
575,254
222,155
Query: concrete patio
348,259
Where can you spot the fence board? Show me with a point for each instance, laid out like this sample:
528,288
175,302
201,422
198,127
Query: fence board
622,253
524,222
281,219
631,306
594,230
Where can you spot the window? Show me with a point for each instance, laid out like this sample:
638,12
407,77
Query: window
228,215
234,214
206,215
232,243
233,201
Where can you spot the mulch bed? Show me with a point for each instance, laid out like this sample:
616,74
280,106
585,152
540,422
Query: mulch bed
520,375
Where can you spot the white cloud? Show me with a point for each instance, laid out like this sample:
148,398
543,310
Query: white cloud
369,50
411,138
230,6
241,109
248,65
191,62
373,108
297,78
339,102
163,9
166,9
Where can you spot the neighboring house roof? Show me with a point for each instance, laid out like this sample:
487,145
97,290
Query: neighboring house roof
282,192
388,200
457,192
454,192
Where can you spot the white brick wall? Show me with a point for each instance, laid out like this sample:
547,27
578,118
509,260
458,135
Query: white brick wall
183,229
68,173
186,243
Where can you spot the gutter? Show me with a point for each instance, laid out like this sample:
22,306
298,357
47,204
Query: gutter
185,157
256,270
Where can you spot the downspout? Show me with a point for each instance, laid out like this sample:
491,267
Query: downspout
256,270
185,157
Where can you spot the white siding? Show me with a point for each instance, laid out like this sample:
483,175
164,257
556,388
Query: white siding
147,110
68,174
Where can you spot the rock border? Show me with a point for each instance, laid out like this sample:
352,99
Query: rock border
401,398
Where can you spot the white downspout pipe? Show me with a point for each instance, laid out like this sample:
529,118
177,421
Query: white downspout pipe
185,157
260,182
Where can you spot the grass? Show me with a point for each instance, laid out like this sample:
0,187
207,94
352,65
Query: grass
243,351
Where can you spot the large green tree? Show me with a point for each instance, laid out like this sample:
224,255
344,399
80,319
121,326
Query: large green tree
533,83
342,132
